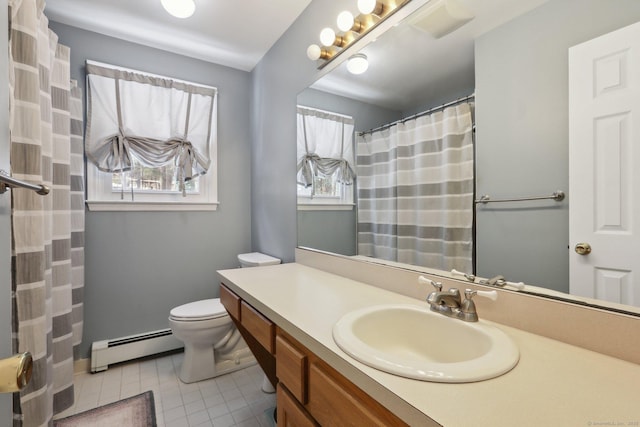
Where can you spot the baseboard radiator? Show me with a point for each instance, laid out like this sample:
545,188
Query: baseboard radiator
107,352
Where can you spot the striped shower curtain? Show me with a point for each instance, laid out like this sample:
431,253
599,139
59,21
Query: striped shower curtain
415,190
47,231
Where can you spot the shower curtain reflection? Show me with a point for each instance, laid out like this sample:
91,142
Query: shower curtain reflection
415,190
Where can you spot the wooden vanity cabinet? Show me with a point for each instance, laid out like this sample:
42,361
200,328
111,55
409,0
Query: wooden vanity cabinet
324,393
258,331
310,391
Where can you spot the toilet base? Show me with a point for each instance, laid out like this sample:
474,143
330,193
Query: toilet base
200,364
267,387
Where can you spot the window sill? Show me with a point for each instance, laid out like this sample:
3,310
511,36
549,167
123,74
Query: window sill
111,206
325,207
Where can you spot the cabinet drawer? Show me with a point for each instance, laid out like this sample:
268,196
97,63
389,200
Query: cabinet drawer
291,368
259,326
230,301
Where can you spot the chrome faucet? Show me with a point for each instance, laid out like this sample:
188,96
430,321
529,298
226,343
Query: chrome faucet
450,303
500,282
445,302
497,281
494,281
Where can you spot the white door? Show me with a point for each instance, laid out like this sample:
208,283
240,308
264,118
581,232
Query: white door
604,166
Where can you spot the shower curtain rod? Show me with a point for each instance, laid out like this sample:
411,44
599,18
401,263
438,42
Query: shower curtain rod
423,113
6,181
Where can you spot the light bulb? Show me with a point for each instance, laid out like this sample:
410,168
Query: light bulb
358,63
313,52
366,6
345,21
327,37
179,8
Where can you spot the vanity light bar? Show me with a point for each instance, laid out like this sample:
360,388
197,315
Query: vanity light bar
332,44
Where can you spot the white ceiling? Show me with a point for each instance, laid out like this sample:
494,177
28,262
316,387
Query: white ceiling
235,33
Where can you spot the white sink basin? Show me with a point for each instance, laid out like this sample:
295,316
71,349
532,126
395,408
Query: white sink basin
413,342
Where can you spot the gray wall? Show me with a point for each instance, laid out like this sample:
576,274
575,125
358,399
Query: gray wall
335,231
138,265
5,219
277,79
522,135
331,231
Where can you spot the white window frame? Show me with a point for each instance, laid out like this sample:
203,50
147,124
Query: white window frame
102,197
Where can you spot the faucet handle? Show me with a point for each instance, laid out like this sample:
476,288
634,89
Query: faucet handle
469,277
518,285
492,295
423,280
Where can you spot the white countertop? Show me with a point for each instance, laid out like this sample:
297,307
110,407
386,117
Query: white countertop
554,384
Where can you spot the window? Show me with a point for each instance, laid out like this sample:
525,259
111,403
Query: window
152,180
151,141
325,160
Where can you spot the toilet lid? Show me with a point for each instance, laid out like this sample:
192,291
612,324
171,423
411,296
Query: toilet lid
258,259
199,310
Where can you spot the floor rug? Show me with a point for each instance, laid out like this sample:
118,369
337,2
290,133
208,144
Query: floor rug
136,411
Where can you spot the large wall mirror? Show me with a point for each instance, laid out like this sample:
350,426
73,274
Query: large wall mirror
513,57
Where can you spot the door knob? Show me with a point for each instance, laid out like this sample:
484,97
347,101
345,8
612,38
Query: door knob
15,372
583,249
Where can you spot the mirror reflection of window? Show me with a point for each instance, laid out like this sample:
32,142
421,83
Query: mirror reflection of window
326,167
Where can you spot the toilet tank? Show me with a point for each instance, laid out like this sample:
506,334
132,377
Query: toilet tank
256,259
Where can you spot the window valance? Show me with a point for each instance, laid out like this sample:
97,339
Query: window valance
155,119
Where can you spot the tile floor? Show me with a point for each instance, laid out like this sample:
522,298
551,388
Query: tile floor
234,399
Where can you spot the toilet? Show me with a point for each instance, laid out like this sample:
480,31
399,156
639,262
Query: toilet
212,344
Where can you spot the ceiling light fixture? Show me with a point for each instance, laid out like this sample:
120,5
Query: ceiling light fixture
179,8
358,63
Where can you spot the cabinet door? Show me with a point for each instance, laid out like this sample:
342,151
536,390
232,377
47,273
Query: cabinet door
291,367
335,401
290,412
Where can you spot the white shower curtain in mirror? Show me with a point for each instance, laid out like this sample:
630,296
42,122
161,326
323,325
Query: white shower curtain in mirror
47,231
415,190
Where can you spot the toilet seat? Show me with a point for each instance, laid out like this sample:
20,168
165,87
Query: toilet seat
199,310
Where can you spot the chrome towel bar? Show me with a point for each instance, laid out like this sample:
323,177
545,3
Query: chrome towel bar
6,181
557,196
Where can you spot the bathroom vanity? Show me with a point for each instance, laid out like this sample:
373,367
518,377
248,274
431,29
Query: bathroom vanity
288,312
310,392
